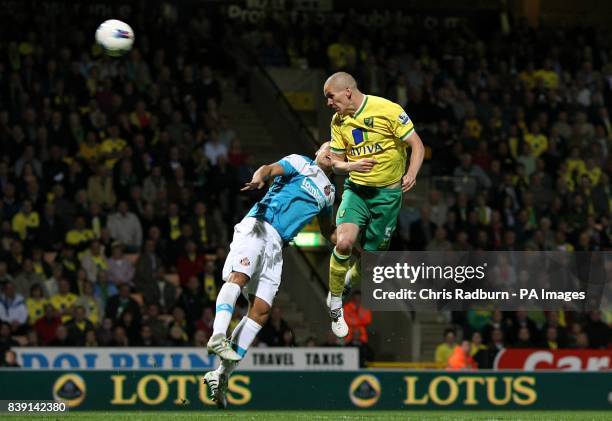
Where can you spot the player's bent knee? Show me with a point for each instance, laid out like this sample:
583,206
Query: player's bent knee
344,245
238,278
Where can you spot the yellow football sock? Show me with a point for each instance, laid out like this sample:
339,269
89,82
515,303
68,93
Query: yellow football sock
354,273
338,265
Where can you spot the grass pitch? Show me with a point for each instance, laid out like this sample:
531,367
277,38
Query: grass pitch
406,415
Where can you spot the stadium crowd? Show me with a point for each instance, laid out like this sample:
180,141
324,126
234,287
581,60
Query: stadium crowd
119,183
119,178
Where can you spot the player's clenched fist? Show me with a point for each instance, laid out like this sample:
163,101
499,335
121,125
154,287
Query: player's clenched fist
408,182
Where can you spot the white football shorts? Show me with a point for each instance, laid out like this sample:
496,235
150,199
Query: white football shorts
257,251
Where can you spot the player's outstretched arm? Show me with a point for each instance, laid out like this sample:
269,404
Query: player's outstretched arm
416,160
262,175
342,167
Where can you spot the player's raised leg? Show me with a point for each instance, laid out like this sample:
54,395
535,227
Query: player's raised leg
242,337
347,234
226,301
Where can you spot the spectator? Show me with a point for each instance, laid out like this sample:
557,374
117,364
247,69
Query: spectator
205,322
125,227
200,339
46,326
32,338
597,331
27,278
13,309
357,317
40,265
112,147
160,291
146,337
147,265
582,341
120,269
4,275
496,321
478,350
461,358
100,188
272,332
6,337
103,289
78,326
26,222
201,223
121,302
62,337
90,339
80,235
212,282
190,264
439,241
177,336
476,178
92,305
524,339
64,300
120,337
191,299
214,150
422,230
104,334
93,261
153,185
36,304
10,359
551,338
496,345
158,327
129,324
51,230
446,348
288,339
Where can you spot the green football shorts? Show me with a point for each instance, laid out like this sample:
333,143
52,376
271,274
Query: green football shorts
374,210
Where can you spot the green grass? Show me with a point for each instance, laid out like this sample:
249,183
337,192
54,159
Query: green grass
406,415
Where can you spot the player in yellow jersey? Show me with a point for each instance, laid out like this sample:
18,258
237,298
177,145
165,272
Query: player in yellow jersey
370,127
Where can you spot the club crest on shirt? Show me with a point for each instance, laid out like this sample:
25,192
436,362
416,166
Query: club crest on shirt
327,190
369,121
245,261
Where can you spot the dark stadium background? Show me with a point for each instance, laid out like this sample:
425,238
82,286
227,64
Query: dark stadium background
120,177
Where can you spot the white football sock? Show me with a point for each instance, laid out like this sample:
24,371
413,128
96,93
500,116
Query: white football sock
335,302
244,334
226,367
226,300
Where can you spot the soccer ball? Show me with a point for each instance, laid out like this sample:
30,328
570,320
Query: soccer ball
115,37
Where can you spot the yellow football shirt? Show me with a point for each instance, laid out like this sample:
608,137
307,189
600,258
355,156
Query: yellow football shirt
22,222
64,303
36,309
377,130
538,143
111,146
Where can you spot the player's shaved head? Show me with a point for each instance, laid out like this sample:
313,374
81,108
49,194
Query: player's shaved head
342,93
341,80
